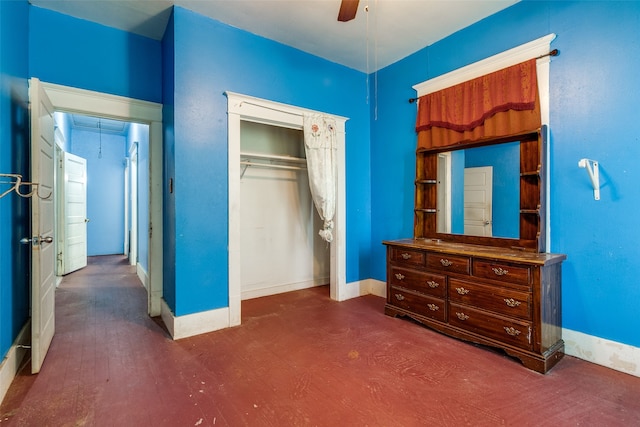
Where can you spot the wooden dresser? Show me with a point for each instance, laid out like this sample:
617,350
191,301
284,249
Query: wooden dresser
499,297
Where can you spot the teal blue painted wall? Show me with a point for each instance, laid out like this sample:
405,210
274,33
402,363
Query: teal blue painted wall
105,188
168,170
593,110
14,158
77,53
214,58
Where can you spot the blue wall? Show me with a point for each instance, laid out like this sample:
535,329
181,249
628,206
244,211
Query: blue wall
14,158
211,58
168,170
593,105
105,189
81,54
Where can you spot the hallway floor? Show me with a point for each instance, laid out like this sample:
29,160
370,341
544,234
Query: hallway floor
298,359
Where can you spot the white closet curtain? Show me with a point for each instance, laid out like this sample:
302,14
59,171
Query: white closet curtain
321,150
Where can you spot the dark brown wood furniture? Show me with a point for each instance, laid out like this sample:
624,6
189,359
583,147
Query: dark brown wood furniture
499,292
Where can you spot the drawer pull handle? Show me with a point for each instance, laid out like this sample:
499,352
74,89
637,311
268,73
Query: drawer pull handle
500,271
511,302
512,331
445,262
462,316
399,276
399,297
462,291
406,256
433,284
433,307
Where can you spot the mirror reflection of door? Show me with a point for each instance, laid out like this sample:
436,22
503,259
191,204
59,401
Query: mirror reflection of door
478,184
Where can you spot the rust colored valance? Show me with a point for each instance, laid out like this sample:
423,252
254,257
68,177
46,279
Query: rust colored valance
499,104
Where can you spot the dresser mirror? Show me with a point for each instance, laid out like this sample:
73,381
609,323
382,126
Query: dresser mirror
479,191
489,192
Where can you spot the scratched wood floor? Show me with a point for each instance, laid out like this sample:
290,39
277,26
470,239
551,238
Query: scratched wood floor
298,359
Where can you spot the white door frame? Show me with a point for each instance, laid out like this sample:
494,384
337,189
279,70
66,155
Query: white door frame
242,107
127,163
132,199
86,102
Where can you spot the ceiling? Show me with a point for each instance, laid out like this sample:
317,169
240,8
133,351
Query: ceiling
388,32
98,124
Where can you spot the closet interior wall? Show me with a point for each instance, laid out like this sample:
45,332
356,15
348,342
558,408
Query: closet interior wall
281,250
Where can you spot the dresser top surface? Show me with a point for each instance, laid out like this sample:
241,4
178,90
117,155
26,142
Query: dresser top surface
503,254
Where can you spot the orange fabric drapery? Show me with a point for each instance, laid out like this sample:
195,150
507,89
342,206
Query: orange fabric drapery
498,104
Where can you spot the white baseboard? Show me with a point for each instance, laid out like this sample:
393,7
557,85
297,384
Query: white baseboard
143,276
282,288
611,354
13,360
194,324
365,287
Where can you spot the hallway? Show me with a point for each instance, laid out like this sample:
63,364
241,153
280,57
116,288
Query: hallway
298,359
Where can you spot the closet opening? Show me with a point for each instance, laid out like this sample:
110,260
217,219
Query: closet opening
281,248
248,115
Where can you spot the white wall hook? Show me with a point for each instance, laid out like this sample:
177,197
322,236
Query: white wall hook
592,169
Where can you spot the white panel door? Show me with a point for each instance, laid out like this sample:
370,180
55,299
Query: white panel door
74,171
478,201
42,209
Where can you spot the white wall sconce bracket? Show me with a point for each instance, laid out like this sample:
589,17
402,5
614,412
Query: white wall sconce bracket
594,174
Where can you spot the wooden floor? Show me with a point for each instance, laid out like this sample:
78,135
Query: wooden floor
298,359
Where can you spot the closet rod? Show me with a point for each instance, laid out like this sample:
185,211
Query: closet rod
270,166
273,157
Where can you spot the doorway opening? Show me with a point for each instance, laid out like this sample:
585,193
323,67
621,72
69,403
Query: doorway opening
102,184
94,104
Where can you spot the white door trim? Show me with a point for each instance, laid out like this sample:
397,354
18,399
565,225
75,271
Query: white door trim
132,202
243,107
80,101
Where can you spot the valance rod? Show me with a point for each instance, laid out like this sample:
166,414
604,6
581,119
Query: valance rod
554,52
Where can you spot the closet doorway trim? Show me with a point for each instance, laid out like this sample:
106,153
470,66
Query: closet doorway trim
247,108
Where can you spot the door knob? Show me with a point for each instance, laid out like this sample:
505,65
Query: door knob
86,220
36,240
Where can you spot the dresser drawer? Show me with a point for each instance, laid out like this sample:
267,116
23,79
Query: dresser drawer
508,331
420,304
505,272
492,298
407,257
426,283
448,263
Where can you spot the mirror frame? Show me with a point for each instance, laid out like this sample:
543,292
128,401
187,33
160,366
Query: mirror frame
532,194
